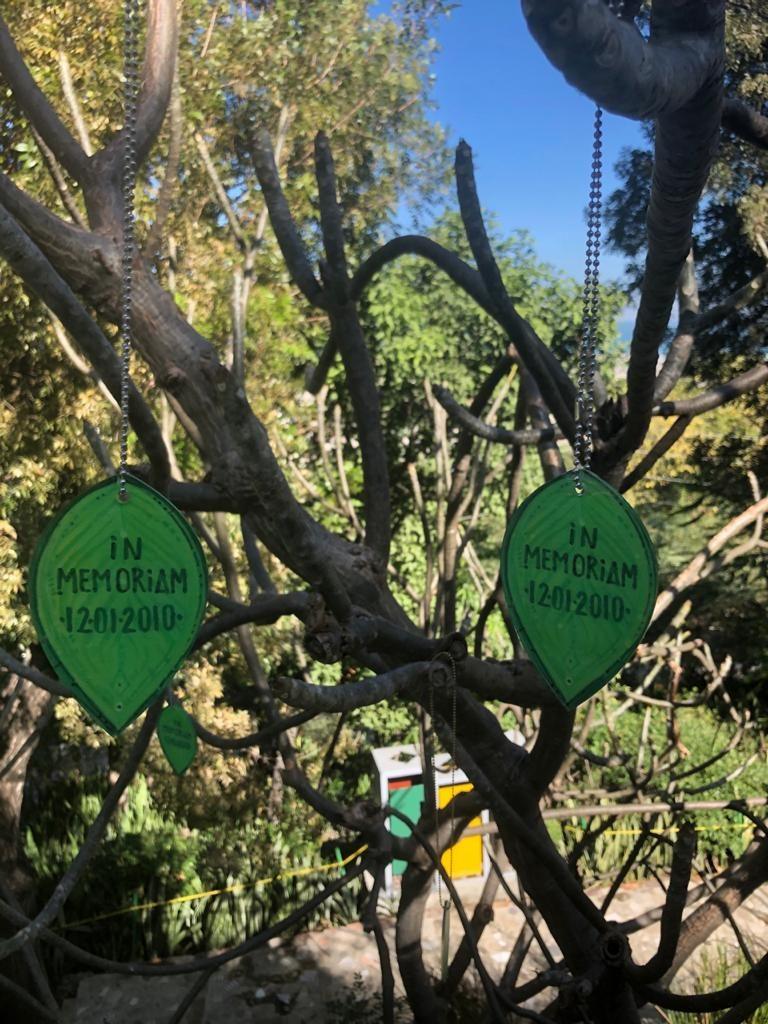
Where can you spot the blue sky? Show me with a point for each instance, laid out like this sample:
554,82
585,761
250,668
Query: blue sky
530,131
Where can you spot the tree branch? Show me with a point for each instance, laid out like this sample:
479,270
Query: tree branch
478,427
753,982
57,176
198,497
41,1012
514,682
692,321
676,77
481,916
194,990
551,747
68,88
34,675
75,252
40,277
745,382
401,644
745,122
170,182
358,365
254,739
35,105
559,400
283,225
194,964
680,349
526,829
607,59
685,144
243,465
672,916
157,82
744,878
469,280
659,450
461,273
330,219
299,694
406,953
738,300
220,192
262,611
30,953
316,375
31,931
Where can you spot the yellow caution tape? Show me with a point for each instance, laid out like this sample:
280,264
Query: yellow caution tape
239,886
320,868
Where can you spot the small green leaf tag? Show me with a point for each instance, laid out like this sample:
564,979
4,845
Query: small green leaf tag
117,590
579,576
176,732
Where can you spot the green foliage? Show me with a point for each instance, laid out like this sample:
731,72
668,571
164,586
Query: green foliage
716,969
151,856
703,732
701,485
421,325
43,458
423,330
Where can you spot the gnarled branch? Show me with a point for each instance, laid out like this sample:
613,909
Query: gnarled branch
299,694
499,435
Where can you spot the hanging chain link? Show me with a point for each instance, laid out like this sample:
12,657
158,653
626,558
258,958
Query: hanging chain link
590,331
444,903
131,17
582,449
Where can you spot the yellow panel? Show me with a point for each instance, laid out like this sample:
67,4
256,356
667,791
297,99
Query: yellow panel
466,857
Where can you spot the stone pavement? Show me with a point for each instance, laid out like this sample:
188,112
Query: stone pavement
326,977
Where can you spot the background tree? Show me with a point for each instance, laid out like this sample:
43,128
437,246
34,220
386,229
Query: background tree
710,469
332,569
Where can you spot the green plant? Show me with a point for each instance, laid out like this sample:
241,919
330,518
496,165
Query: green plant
152,859
716,969
723,835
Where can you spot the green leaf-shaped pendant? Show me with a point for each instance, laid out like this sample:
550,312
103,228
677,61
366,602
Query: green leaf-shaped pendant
579,576
176,732
117,590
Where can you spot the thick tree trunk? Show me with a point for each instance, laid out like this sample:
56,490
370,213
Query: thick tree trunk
25,708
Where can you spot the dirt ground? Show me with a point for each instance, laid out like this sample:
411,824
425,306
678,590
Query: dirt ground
332,976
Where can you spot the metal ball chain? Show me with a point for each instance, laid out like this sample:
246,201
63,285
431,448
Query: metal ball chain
591,310
582,447
131,16
445,903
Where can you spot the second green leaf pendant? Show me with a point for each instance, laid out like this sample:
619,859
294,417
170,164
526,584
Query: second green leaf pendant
579,575
178,738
